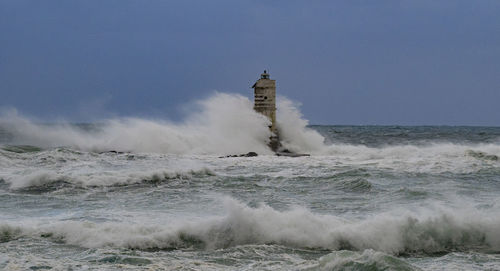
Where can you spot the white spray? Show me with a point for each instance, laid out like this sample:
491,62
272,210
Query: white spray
221,124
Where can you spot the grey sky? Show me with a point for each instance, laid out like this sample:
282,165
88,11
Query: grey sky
347,62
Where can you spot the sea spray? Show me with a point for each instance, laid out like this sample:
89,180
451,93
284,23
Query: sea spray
221,124
294,133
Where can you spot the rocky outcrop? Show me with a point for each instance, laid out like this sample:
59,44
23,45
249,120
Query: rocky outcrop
250,154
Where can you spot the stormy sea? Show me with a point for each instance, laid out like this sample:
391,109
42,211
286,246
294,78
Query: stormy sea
152,194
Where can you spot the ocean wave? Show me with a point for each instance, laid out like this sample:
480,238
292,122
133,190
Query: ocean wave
20,148
391,233
409,151
46,180
430,158
9,233
367,260
482,155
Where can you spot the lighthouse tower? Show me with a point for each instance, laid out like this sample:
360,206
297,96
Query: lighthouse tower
265,104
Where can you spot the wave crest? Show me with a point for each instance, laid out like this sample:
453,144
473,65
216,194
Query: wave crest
45,180
368,260
298,227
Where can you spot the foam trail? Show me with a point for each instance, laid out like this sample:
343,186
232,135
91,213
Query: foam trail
221,124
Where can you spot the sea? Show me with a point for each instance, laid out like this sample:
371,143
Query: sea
152,194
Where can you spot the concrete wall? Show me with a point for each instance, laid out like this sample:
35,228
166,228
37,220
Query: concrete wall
265,100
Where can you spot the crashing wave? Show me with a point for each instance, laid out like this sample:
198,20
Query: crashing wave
389,233
223,124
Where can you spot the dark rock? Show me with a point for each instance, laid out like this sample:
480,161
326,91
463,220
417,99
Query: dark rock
112,151
291,154
250,154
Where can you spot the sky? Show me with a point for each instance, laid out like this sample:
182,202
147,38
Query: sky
352,62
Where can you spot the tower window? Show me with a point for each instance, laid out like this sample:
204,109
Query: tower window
265,97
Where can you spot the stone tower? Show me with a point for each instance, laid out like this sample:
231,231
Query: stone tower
265,103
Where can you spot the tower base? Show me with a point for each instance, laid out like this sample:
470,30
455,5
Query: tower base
275,143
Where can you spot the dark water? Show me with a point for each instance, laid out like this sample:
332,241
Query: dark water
369,198
375,136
